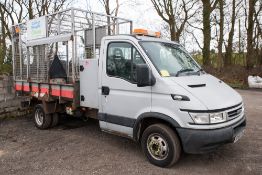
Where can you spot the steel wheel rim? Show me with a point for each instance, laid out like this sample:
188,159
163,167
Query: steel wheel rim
157,146
39,117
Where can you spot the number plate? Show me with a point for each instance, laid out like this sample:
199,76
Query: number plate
238,136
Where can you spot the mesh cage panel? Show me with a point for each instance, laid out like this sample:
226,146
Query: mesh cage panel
32,62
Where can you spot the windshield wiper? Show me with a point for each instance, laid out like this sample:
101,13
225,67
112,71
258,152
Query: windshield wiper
183,70
199,71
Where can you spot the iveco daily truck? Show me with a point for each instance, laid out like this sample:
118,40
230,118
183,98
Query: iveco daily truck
136,84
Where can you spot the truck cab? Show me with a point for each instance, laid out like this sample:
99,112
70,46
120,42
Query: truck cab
147,83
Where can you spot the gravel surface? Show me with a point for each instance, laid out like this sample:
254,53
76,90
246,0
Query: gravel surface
76,147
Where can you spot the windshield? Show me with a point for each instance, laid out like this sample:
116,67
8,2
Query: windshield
170,59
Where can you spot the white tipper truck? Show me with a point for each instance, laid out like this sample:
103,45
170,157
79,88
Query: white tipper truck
137,85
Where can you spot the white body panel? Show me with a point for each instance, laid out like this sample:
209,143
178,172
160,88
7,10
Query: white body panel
163,103
125,98
214,95
89,83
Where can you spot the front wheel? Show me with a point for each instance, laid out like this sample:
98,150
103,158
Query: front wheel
161,145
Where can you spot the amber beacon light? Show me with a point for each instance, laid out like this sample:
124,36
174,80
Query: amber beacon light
145,32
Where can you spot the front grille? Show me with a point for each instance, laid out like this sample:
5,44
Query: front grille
234,113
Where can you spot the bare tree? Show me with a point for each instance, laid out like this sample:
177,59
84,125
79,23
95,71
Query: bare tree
250,32
3,35
208,7
258,31
111,11
11,11
229,46
176,14
221,34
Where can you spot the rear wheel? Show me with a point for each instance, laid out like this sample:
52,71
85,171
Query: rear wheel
161,145
55,119
41,120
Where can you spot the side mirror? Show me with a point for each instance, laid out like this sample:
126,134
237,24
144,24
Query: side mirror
144,76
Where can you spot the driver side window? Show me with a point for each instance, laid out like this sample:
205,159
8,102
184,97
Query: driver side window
122,59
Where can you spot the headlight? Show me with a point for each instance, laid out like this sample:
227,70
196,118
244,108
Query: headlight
200,118
217,117
207,118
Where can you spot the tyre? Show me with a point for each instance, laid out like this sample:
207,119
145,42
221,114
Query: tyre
55,120
161,145
41,120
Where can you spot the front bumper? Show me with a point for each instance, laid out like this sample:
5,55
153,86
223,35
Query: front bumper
202,141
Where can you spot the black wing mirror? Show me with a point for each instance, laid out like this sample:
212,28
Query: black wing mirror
144,76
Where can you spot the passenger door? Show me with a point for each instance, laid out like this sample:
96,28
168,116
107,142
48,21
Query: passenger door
122,101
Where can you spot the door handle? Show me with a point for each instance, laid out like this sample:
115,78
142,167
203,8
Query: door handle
105,90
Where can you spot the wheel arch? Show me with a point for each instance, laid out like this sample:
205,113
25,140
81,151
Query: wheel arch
148,118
